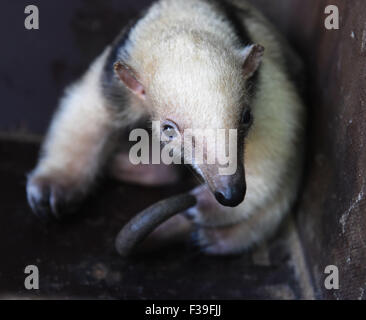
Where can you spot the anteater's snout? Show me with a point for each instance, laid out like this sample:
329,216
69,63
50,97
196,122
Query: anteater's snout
231,195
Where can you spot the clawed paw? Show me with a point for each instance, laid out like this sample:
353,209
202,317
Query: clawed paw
48,198
215,241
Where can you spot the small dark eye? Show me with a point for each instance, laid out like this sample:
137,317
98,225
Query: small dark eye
247,117
169,131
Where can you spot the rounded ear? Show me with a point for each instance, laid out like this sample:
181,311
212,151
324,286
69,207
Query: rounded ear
128,76
252,55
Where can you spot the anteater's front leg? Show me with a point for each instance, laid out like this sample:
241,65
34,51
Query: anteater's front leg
75,147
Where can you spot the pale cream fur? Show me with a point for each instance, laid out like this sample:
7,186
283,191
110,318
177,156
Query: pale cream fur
198,84
76,145
190,65
78,133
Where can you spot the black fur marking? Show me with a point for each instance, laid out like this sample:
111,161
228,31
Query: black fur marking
118,44
231,14
112,87
252,84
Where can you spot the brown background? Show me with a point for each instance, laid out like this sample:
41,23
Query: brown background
36,65
332,213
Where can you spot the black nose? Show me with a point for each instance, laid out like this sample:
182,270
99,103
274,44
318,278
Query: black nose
231,197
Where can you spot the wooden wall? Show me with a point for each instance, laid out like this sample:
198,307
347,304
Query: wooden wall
332,209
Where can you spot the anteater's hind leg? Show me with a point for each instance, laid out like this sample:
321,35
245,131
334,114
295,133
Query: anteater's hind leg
221,230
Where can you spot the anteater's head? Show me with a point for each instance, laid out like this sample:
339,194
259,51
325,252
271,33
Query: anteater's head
190,85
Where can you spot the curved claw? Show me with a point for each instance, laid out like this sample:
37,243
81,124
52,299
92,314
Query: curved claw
48,200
